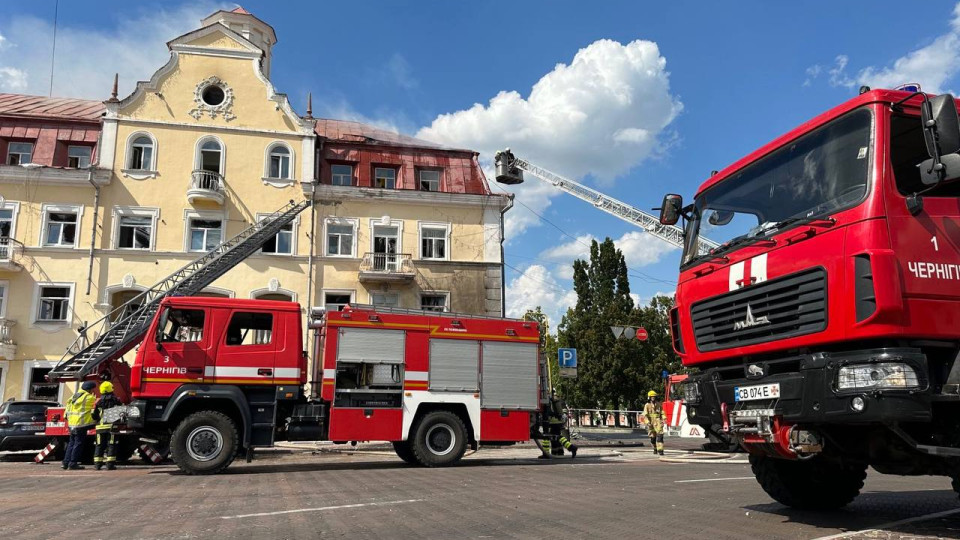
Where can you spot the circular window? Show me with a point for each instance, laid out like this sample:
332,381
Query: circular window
212,95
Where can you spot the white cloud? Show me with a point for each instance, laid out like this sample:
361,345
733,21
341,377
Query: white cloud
602,114
934,65
87,58
639,249
536,286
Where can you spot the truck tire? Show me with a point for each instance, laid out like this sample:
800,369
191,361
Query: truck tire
811,485
204,443
404,452
439,439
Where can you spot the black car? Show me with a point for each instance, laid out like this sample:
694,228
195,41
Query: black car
22,424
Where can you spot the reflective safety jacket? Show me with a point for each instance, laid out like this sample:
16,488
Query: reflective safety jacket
654,416
106,401
79,409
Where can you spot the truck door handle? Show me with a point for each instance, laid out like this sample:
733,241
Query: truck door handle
264,372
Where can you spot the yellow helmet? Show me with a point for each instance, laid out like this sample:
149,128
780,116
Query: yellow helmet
106,387
651,394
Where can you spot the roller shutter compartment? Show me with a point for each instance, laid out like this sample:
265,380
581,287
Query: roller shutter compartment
371,345
509,379
454,365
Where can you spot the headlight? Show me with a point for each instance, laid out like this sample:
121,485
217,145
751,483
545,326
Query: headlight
691,392
133,412
877,376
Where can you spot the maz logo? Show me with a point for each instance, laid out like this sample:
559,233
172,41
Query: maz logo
751,321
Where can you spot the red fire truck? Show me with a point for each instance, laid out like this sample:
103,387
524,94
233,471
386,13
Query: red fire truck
824,324
216,378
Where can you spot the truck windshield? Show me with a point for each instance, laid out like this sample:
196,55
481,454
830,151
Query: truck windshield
814,176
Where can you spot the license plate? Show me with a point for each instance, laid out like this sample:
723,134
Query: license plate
759,391
40,426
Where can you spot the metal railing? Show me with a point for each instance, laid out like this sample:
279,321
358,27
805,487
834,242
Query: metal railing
387,263
207,181
10,249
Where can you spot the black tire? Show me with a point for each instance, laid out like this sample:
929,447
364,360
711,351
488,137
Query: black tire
404,452
811,484
439,439
204,443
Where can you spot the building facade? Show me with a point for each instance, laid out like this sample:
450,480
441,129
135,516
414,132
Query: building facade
102,200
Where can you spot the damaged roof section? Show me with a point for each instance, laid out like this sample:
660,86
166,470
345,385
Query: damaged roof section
80,110
358,132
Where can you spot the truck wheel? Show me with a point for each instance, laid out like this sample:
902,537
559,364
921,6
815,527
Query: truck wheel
204,443
439,439
811,485
404,452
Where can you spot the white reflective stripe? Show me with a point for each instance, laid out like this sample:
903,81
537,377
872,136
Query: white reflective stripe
208,371
329,374
736,274
416,375
675,420
224,371
758,268
286,373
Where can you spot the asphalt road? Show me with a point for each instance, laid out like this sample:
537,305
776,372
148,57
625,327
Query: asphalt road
622,492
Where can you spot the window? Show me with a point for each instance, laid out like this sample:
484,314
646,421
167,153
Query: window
336,300
282,243
211,155
341,175
61,229
384,178
6,222
428,180
279,162
135,232
141,154
276,296
182,326
40,388
212,95
433,302
78,157
908,151
385,299
205,234
433,242
53,304
340,239
19,153
250,329
4,285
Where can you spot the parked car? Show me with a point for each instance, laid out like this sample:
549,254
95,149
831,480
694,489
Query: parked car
22,425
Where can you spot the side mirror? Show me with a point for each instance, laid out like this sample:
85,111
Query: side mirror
941,127
670,209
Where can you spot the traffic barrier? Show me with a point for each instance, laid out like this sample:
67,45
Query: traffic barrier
47,450
151,454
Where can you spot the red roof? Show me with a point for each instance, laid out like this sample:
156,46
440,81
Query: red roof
84,110
240,10
357,132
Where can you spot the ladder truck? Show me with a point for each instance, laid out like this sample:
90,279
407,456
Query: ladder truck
217,378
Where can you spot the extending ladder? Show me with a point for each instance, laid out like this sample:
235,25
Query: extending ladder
124,327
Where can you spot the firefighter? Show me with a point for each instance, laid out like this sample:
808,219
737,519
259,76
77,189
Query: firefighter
556,436
79,412
105,452
653,413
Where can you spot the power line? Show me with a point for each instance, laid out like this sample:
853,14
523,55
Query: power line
53,54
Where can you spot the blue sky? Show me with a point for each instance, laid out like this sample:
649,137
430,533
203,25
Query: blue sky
715,81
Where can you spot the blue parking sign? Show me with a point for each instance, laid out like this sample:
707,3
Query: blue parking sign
567,358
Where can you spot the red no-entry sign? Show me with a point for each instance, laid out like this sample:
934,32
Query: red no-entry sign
642,334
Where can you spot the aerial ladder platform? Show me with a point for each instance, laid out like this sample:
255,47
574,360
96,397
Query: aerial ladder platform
510,169
124,327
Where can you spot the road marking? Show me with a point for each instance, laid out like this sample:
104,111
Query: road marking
892,524
713,479
322,508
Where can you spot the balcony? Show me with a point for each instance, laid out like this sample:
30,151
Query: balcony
387,268
10,253
206,186
8,347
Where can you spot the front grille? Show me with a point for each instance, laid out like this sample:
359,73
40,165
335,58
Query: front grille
785,307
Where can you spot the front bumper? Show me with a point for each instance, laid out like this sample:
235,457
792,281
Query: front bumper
808,392
22,441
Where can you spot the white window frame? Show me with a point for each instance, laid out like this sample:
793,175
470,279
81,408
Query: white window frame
257,293
189,215
33,149
398,223
35,309
197,155
28,370
89,158
445,294
4,297
15,206
396,176
48,209
128,157
341,221
268,154
4,368
353,169
439,172
294,232
370,295
219,290
135,211
421,225
347,292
